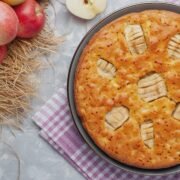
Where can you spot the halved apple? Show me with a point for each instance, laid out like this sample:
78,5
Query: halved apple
86,9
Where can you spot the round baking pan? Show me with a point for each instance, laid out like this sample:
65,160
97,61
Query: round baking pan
71,76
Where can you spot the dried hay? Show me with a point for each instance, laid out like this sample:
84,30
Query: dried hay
16,88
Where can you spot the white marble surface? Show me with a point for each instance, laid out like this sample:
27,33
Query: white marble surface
39,160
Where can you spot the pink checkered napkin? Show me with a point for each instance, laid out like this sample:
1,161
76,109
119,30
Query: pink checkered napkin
59,130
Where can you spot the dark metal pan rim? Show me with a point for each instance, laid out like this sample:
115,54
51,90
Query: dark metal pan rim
70,86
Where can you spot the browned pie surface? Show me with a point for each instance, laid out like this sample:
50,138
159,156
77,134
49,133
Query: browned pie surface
127,89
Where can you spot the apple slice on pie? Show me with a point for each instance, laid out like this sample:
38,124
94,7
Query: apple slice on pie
116,117
105,69
135,39
176,113
151,87
174,47
147,133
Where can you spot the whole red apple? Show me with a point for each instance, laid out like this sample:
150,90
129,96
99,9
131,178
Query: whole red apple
8,24
3,53
31,18
13,2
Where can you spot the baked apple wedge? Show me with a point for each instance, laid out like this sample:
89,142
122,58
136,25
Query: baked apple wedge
147,133
116,117
151,87
176,113
135,39
174,47
105,69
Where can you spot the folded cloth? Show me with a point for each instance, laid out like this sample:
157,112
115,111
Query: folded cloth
58,128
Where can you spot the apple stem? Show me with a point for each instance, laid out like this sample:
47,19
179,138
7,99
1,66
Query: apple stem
86,1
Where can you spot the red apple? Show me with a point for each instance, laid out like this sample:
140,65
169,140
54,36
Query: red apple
13,2
3,53
8,24
31,18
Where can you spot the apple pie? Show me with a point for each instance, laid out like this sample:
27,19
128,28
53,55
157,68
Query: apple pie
127,89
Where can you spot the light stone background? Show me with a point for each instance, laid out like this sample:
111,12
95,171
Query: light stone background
39,160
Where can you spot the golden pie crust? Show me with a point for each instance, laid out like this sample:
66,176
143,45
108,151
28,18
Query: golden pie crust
127,89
